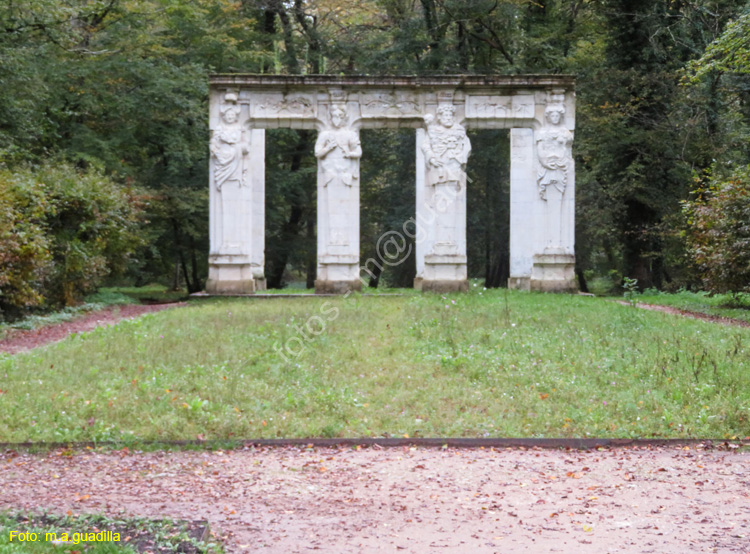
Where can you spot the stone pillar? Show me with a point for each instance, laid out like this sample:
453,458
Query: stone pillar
442,152
338,151
422,214
236,171
258,240
524,208
553,266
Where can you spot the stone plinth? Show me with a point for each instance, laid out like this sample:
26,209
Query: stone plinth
553,272
228,276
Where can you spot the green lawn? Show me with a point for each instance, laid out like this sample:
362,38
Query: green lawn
722,305
486,363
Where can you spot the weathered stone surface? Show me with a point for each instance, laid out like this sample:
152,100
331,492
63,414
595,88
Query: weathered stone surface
337,287
445,286
553,272
232,278
539,110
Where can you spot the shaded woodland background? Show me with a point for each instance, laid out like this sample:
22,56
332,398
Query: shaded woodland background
114,93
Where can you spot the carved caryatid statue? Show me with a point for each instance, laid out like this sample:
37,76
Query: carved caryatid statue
339,150
554,144
446,149
229,147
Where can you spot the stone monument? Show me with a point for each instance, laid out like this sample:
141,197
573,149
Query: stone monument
538,109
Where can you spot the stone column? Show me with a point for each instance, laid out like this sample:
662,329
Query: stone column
338,151
423,216
258,240
524,208
441,203
554,256
236,173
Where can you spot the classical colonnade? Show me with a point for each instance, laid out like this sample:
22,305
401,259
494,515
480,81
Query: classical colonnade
538,110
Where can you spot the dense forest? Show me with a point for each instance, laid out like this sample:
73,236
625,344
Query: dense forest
104,138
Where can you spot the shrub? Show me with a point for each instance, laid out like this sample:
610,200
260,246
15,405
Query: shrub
63,231
24,256
719,232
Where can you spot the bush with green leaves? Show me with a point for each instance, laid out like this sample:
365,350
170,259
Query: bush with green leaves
24,254
719,232
62,231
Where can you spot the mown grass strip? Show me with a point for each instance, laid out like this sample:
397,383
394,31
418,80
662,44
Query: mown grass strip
483,364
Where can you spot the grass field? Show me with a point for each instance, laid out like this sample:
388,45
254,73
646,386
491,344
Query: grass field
487,363
722,305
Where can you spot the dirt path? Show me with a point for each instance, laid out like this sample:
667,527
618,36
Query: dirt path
290,500
687,313
20,340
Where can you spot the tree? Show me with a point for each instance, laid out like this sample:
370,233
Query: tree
719,232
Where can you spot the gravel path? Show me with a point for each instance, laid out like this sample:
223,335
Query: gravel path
292,500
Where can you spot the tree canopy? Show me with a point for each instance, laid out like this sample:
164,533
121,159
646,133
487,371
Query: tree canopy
120,87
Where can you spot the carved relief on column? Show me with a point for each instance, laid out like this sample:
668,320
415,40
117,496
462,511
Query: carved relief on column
554,259
338,151
446,149
554,148
229,148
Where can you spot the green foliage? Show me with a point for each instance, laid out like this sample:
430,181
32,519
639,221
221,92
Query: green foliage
719,232
66,230
387,223
135,535
730,53
631,290
24,253
122,85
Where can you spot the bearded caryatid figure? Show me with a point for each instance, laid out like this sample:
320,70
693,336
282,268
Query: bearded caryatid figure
554,144
229,147
446,149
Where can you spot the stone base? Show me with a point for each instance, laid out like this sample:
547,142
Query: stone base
224,278
444,286
337,287
260,284
519,283
443,273
216,287
553,272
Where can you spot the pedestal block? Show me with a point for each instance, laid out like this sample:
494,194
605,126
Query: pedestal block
232,276
444,274
338,275
553,272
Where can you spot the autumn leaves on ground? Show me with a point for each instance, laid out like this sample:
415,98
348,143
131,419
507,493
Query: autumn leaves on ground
488,363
